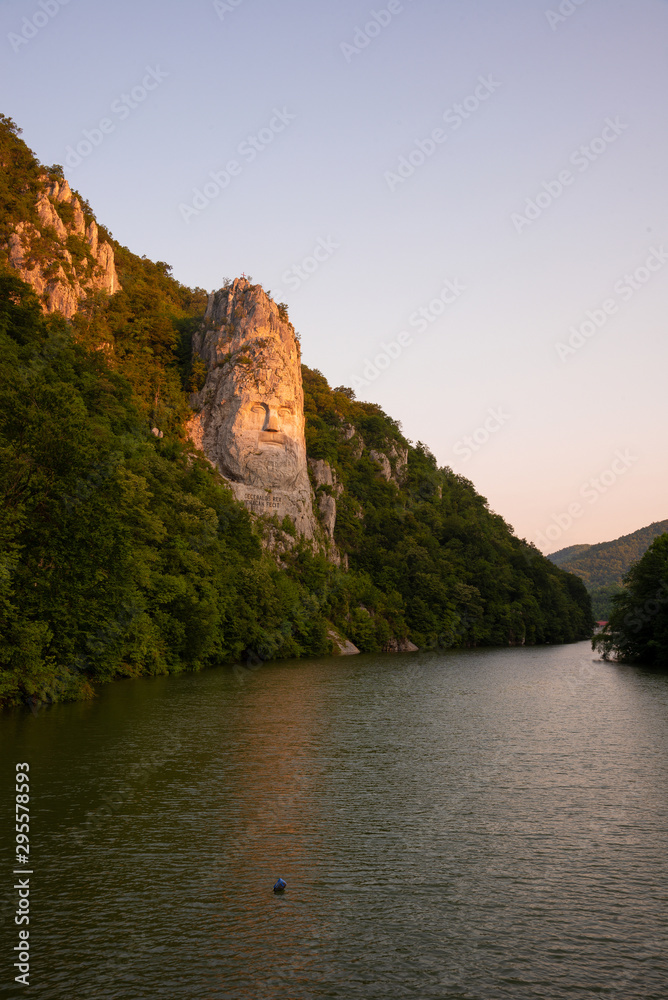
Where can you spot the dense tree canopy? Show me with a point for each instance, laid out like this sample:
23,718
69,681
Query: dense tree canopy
428,539
638,628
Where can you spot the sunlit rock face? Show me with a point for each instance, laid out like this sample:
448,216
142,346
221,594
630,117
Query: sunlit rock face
250,419
60,279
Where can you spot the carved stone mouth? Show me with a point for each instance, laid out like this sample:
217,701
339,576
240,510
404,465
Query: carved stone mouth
272,437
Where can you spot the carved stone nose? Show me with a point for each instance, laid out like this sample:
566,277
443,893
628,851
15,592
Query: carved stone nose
272,422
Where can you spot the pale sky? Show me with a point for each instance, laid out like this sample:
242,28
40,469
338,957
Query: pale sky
500,167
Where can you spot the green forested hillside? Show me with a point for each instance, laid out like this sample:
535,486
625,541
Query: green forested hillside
124,553
431,540
603,567
564,555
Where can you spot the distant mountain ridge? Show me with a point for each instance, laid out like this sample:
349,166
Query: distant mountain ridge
566,555
608,562
602,567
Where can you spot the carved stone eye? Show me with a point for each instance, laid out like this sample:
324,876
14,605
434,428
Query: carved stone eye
258,408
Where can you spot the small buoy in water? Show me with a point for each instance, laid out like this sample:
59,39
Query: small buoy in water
280,885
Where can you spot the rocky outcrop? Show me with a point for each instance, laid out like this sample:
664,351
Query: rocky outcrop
322,472
62,276
341,645
400,646
328,489
399,458
351,434
392,463
49,217
327,508
324,476
249,418
384,462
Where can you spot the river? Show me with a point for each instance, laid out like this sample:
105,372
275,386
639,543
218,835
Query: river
462,826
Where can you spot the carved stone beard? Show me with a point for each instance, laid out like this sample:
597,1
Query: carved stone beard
270,469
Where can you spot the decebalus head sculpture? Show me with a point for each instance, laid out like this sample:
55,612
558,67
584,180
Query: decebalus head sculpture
250,411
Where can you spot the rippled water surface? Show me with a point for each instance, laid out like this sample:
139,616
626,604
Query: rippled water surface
474,825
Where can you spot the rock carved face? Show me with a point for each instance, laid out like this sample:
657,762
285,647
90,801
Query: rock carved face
268,443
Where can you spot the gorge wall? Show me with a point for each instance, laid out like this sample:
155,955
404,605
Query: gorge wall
249,418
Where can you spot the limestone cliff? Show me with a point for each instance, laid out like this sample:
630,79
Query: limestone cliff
61,256
324,476
249,417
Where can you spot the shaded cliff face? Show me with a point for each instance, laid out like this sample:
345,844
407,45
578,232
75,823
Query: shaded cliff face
62,258
250,419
